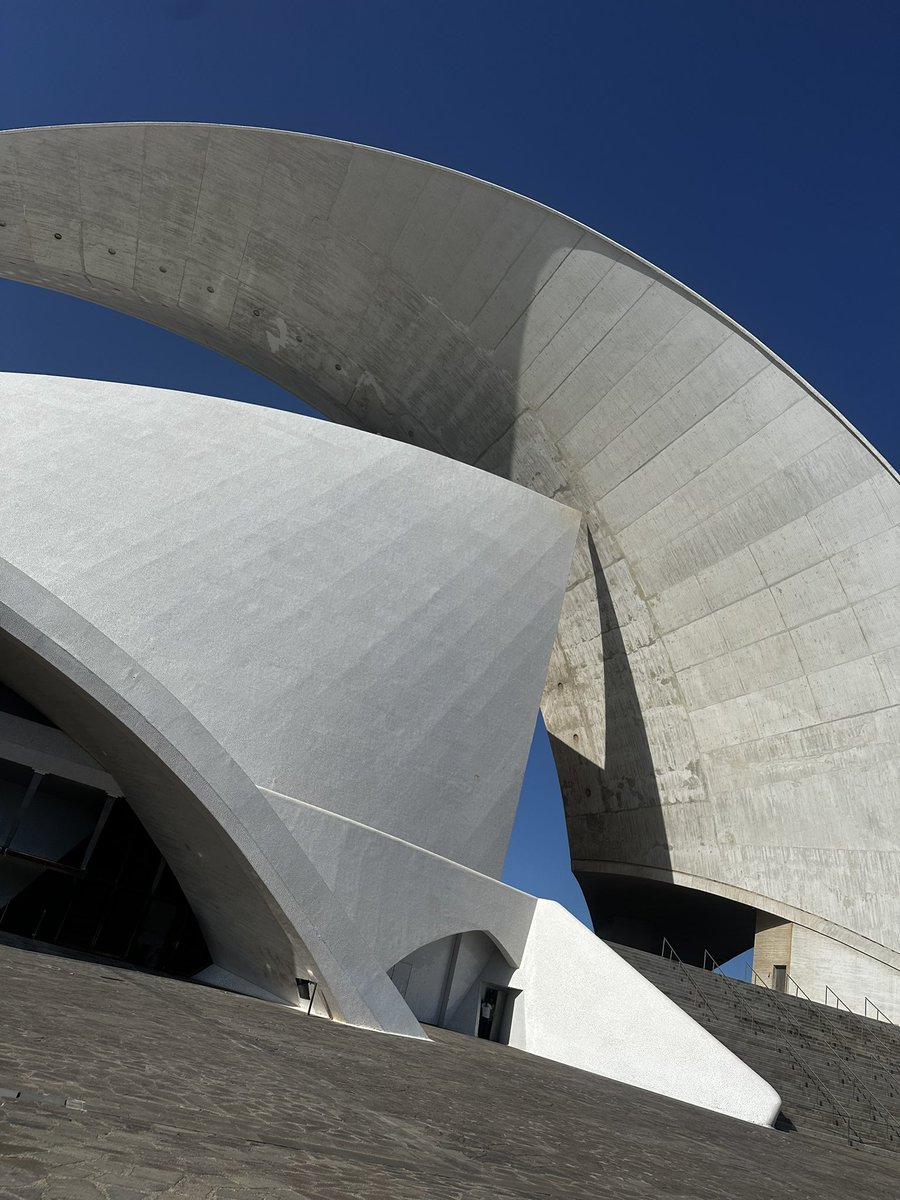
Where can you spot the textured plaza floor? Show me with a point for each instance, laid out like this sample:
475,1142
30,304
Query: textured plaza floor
189,1092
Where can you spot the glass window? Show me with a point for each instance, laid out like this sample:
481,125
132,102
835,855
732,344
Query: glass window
14,781
56,824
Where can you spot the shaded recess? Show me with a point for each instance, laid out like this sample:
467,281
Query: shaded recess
198,851
642,912
443,981
78,870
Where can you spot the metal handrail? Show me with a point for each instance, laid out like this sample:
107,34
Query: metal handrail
869,1032
829,991
882,1016
838,1031
817,1010
668,951
885,1045
707,957
837,1109
798,990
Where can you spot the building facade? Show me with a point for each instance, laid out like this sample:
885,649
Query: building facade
269,686
722,688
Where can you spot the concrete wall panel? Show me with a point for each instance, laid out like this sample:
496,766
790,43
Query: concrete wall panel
623,1027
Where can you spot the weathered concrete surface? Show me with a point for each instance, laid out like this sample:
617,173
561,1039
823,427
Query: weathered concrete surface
724,688
203,1095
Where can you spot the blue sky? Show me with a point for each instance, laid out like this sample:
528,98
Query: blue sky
748,148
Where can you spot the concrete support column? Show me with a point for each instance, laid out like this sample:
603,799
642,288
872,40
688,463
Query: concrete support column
772,949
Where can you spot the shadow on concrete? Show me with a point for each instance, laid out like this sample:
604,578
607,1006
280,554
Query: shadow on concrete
616,824
615,808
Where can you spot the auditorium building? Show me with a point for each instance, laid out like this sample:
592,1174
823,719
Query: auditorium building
268,683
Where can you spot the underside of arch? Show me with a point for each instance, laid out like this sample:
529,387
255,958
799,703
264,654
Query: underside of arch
640,912
77,868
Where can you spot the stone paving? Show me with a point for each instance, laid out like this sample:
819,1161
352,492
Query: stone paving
196,1094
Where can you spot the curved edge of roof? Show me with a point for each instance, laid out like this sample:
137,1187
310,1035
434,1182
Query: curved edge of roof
760,901
645,263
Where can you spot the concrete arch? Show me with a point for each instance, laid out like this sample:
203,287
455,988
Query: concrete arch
266,915
373,875
724,691
445,929
441,979
448,932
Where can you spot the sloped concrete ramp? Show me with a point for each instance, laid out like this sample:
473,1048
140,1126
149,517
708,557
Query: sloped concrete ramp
182,1091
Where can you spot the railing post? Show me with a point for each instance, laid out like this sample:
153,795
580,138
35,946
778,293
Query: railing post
879,1015
877,1110
838,1111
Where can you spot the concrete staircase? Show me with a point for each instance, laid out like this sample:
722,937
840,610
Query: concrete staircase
838,1074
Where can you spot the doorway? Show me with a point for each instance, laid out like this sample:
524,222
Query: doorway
494,1013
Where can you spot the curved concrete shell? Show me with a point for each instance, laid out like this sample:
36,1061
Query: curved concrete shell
210,597
360,628
723,691
264,910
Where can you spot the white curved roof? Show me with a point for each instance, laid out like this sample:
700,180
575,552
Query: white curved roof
362,625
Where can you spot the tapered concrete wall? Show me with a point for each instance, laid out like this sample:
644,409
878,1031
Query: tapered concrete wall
583,1004
723,693
362,625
